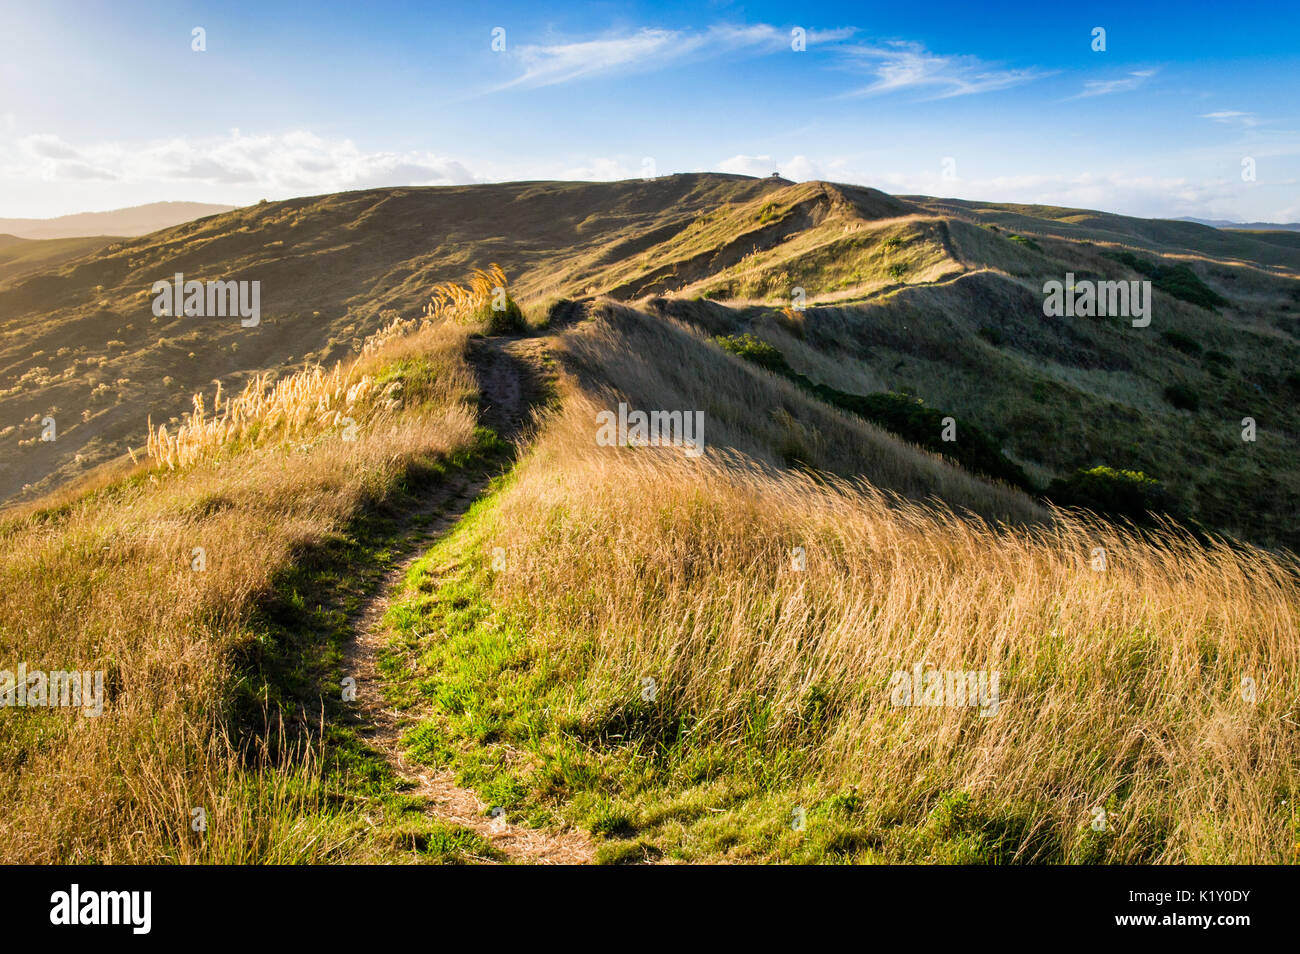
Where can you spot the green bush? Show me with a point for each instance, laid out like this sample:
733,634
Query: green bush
909,418
1112,493
903,414
1027,242
758,351
1181,342
1217,363
1177,280
1183,397
508,321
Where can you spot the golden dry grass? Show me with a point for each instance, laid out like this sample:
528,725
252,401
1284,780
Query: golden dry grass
1120,689
312,398
453,301
104,581
654,362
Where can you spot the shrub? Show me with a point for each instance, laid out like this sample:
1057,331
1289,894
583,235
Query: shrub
1183,397
1176,280
758,351
484,300
1181,342
1112,493
1219,358
909,418
1217,363
903,414
508,321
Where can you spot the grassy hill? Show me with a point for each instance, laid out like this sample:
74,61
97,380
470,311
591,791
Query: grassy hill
19,255
932,299
409,608
136,220
80,343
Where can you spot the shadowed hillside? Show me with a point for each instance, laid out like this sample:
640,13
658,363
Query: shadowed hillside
18,256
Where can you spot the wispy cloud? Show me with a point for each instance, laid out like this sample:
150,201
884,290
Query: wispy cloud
899,65
649,49
1232,117
1123,84
296,162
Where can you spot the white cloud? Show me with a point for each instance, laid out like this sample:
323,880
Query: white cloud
1232,117
296,162
651,49
46,146
1123,84
1150,196
599,169
900,66
897,65
643,50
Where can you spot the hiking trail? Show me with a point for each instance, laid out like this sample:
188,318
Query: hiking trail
511,375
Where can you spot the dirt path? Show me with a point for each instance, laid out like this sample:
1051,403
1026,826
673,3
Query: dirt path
511,375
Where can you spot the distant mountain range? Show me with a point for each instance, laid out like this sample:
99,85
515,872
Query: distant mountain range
1225,224
137,220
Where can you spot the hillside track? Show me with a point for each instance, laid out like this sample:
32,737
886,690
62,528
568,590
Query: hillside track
511,375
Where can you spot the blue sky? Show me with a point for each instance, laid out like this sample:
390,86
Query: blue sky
107,105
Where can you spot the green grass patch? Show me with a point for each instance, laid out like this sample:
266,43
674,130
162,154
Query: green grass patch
287,677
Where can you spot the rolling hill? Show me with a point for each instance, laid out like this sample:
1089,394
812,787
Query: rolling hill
136,220
18,256
412,607
923,299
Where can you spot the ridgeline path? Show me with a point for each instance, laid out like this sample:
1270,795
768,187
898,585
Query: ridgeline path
511,376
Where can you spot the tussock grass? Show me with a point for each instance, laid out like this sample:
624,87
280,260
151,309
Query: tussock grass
482,299
312,398
1122,690
192,719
